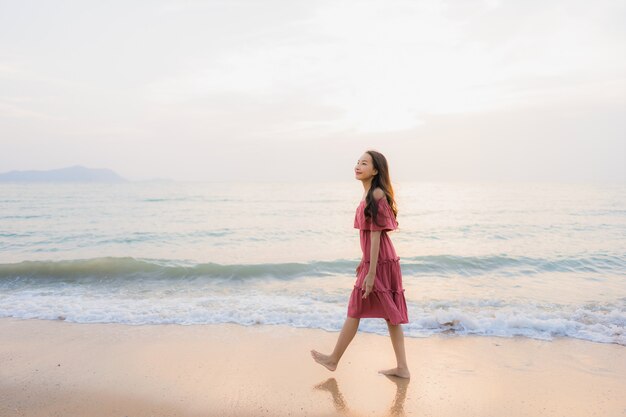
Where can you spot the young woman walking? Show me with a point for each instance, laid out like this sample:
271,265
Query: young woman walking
378,290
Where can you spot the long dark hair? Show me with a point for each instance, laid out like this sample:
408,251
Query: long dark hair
380,180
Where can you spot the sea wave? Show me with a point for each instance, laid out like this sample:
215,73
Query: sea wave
445,265
597,322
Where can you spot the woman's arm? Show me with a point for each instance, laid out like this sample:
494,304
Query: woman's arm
378,193
371,274
375,247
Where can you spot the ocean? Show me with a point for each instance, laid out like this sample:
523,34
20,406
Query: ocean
540,260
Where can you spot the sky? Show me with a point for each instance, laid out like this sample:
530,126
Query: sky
293,90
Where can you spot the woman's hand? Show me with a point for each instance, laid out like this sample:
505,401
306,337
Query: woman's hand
368,284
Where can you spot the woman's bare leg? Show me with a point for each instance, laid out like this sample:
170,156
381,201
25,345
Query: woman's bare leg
397,340
350,327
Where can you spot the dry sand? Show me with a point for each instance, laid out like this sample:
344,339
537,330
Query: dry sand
56,368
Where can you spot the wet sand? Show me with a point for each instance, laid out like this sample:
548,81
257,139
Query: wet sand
56,368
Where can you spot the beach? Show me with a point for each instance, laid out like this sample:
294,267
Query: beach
58,368
195,195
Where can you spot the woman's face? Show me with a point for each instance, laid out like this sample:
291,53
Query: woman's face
364,168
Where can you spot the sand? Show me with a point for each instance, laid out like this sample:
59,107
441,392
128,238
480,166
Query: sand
57,368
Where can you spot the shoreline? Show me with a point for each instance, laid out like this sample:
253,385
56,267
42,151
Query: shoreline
53,367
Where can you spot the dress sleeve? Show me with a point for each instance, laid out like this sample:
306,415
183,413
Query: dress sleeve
385,217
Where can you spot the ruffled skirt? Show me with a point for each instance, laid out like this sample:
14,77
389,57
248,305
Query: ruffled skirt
387,297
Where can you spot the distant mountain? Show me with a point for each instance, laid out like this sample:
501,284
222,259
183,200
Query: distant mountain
74,173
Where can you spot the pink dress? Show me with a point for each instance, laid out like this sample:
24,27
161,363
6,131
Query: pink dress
387,297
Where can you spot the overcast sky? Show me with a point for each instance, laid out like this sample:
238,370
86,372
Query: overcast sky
296,90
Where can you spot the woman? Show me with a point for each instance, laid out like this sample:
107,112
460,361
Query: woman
378,290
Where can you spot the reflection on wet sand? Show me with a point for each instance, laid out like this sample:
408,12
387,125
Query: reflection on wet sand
397,406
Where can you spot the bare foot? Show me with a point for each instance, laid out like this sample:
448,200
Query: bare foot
324,360
401,372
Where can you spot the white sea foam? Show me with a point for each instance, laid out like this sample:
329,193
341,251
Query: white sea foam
203,301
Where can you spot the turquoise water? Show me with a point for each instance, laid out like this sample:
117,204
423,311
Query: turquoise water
541,260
